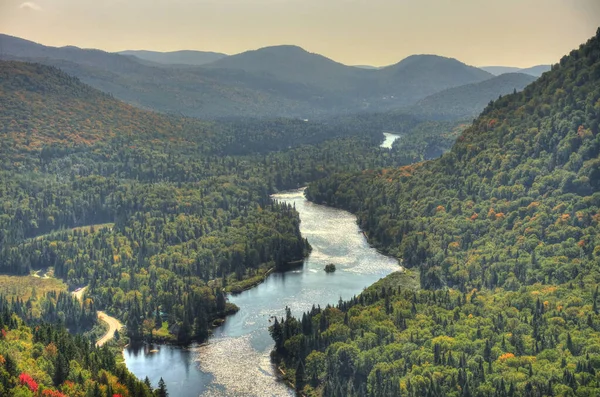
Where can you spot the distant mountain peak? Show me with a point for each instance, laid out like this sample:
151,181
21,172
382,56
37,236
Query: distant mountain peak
289,63
286,47
424,56
283,50
428,59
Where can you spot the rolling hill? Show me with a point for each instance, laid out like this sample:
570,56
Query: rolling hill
43,106
536,71
425,74
469,100
294,64
406,82
16,48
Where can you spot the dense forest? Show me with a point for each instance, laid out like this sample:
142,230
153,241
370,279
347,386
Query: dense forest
53,308
161,215
48,361
503,233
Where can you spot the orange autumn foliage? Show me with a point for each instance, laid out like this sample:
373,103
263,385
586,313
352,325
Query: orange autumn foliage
505,356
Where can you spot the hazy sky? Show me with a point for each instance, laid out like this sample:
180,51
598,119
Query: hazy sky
374,32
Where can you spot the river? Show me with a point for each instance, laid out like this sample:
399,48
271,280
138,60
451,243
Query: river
236,360
389,140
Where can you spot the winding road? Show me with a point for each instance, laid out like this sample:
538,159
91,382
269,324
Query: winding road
113,324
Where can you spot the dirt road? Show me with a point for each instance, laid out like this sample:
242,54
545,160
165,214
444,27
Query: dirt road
113,323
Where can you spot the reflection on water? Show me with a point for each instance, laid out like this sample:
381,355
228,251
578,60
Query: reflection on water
389,140
177,366
236,361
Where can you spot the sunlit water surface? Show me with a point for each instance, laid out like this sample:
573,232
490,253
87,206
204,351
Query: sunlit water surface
236,360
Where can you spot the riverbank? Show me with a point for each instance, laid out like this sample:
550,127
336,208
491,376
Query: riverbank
237,287
244,285
403,279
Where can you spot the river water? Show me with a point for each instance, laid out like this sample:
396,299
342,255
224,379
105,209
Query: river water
389,140
236,360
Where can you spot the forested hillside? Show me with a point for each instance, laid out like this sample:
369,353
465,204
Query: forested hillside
469,100
48,361
73,157
77,157
504,233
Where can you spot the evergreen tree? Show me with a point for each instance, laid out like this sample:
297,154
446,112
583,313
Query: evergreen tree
299,378
161,391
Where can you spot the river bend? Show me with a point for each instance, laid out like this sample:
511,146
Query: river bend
236,360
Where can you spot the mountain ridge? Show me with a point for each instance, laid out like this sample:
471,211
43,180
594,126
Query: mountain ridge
277,81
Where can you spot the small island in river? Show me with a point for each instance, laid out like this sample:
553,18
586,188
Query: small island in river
330,268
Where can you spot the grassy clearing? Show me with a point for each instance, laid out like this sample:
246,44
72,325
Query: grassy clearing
406,279
87,228
235,287
95,227
23,286
163,332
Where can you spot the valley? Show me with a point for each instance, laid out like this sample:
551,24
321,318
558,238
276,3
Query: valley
274,222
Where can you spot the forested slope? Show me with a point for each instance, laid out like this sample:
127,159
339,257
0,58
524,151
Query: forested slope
504,233
469,100
183,216
48,361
